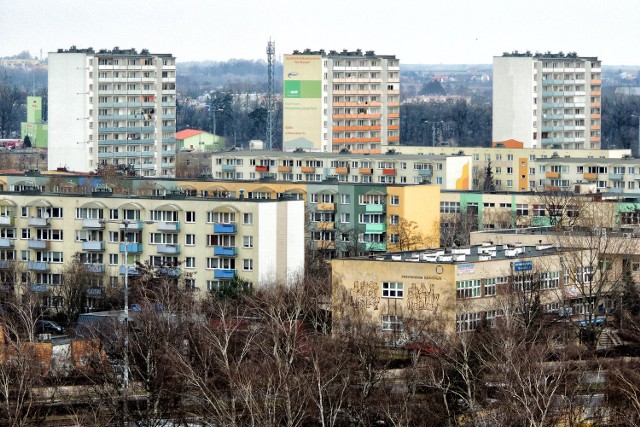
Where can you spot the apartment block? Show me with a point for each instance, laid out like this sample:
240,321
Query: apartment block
334,101
115,107
201,243
417,295
550,100
520,169
451,171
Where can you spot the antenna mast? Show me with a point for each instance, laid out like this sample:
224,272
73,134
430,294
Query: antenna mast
271,52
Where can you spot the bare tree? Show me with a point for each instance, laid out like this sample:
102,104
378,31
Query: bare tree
405,235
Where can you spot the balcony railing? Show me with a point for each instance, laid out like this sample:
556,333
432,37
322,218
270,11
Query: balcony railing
169,226
132,226
6,243
94,268
225,228
223,274
39,287
130,269
38,222
375,228
7,221
132,248
169,271
38,244
6,264
93,223
375,246
374,208
37,266
326,207
225,251
93,246
169,249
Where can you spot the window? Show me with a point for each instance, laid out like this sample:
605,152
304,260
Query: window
394,200
522,209
467,289
467,322
449,207
190,216
549,280
25,233
392,289
394,219
345,218
247,218
164,216
490,287
247,264
392,322
113,259
114,237
247,241
190,262
190,239
345,199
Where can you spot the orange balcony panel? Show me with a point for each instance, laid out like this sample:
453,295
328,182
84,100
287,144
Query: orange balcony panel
595,127
350,128
595,116
553,175
325,225
590,176
596,93
596,82
393,115
376,127
326,207
325,245
365,171
388,171
342,171
595,104
393,139
394,127
284,168
308,169
594,139
393,104
355,140
356,116
262,168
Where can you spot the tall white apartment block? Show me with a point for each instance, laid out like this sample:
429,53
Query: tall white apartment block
335,101
547,100
112,107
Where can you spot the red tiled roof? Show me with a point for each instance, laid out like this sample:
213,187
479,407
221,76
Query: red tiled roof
187,133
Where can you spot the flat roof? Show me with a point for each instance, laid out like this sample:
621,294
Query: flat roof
334,156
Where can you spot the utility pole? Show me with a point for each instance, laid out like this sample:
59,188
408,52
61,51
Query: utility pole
271,53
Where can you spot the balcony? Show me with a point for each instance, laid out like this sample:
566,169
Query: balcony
425,172
225,228
375,246
590,176
7,221
284,169
6,264
326,207
129,269
37,266
225,251
342,171
169,226
39,287
169,271
132,226
262,168
38,222
93,224
38,244
636,176
374,208
325,245
375,228
132,248
169,249
95,292
228,168
616,176
93,246
365,171
308,169
94,268
388,171
552,175
6,243
223,274
325,225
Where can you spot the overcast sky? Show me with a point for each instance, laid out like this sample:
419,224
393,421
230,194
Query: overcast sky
425,31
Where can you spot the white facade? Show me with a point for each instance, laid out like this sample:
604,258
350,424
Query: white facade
547,101
112,107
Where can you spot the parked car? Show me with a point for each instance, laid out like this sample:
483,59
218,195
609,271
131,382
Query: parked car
48,327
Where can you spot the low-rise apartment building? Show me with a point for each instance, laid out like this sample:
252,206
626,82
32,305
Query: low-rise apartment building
204,243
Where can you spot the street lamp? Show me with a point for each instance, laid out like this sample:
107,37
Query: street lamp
433,130
636,153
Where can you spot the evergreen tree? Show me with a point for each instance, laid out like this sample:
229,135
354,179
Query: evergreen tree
489,183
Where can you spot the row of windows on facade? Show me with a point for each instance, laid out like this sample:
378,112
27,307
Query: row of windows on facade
362,164
522,209
362,179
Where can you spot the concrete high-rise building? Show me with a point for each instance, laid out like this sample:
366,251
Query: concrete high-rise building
547,100
112,107
341,100
35,127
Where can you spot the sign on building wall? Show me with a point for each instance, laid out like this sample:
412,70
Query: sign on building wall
522,266
466,268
